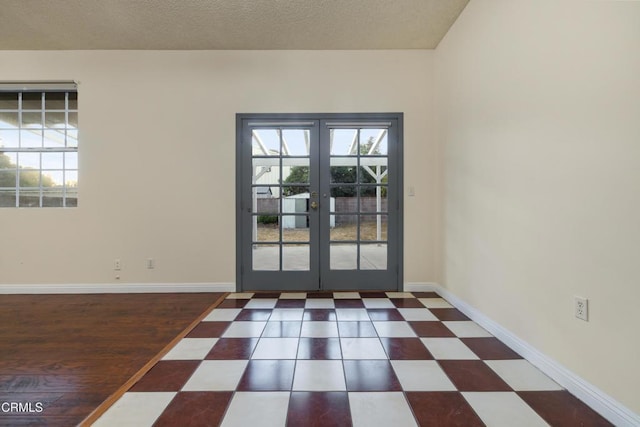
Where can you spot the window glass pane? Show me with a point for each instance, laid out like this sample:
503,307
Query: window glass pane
29,178
9,138
30,138
29,160
8,101
295,142
52,178
73,120
32,101
71,160
29,198
54,138
52,160
32,120
71,179
8,177
71,199
265,142
8,160
73,101
54,101
373,142
52,198
54,120
8,119
8,198
373,257
72,138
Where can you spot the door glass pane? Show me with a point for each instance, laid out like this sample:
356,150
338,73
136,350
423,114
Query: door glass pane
266,257
373,199
373,170
295,228
343,142
295,170
345,199
265,203
266,228
343,256
373,227
373,257
295,257
343,174
373,142
265,142
346,228
295,142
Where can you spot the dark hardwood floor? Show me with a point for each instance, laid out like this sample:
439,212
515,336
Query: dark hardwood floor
70,352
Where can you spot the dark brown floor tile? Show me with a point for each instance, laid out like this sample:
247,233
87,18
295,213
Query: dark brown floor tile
167,375
290,303
232,349
356,330
348,303
208,330
490,348
560,408
370,375
442,409
406,303
448,314
373,295
405,349
319,348
283,329
194,409
319,315
266,295
255,314
318,409
233,303
473,375
267,375
431,329
384,314
426,295
320,295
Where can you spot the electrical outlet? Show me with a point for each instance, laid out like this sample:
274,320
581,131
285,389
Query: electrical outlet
581,308
151,263
117,265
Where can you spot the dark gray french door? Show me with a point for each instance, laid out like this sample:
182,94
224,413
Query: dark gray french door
319,202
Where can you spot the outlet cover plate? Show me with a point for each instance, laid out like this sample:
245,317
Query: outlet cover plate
581,308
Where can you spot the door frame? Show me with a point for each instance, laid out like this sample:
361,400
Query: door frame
322,117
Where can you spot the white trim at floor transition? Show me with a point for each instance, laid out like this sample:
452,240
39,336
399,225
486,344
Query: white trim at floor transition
599,401
116,288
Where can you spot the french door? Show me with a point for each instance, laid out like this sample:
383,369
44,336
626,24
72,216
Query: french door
319,202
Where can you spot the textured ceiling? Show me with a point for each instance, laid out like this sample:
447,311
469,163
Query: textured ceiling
225,24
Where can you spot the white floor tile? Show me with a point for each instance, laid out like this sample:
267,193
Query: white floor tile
422,375
351,314
319,375
191,349
319,303
400,295
216,375
244,330
362,348
417,314
346,295
319,329
222,315
522,375
448,348
380,410
262,303
262,409
293,295
281,314
394,329
276,348
377,303
240,295
435,303
503,409
135,410
467,329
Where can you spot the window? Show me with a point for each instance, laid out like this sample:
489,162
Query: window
38,145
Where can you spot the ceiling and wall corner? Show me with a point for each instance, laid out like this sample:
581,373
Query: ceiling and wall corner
225,25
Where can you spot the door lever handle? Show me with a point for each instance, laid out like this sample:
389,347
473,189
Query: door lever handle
314,205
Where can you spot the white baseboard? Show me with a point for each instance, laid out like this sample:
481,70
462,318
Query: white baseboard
116,288
599,401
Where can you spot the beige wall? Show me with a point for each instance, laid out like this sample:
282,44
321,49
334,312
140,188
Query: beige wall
157,156
539,113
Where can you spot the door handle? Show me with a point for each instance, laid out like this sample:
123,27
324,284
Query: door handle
314,205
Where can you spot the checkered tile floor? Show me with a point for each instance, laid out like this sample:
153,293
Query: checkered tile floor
342,359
